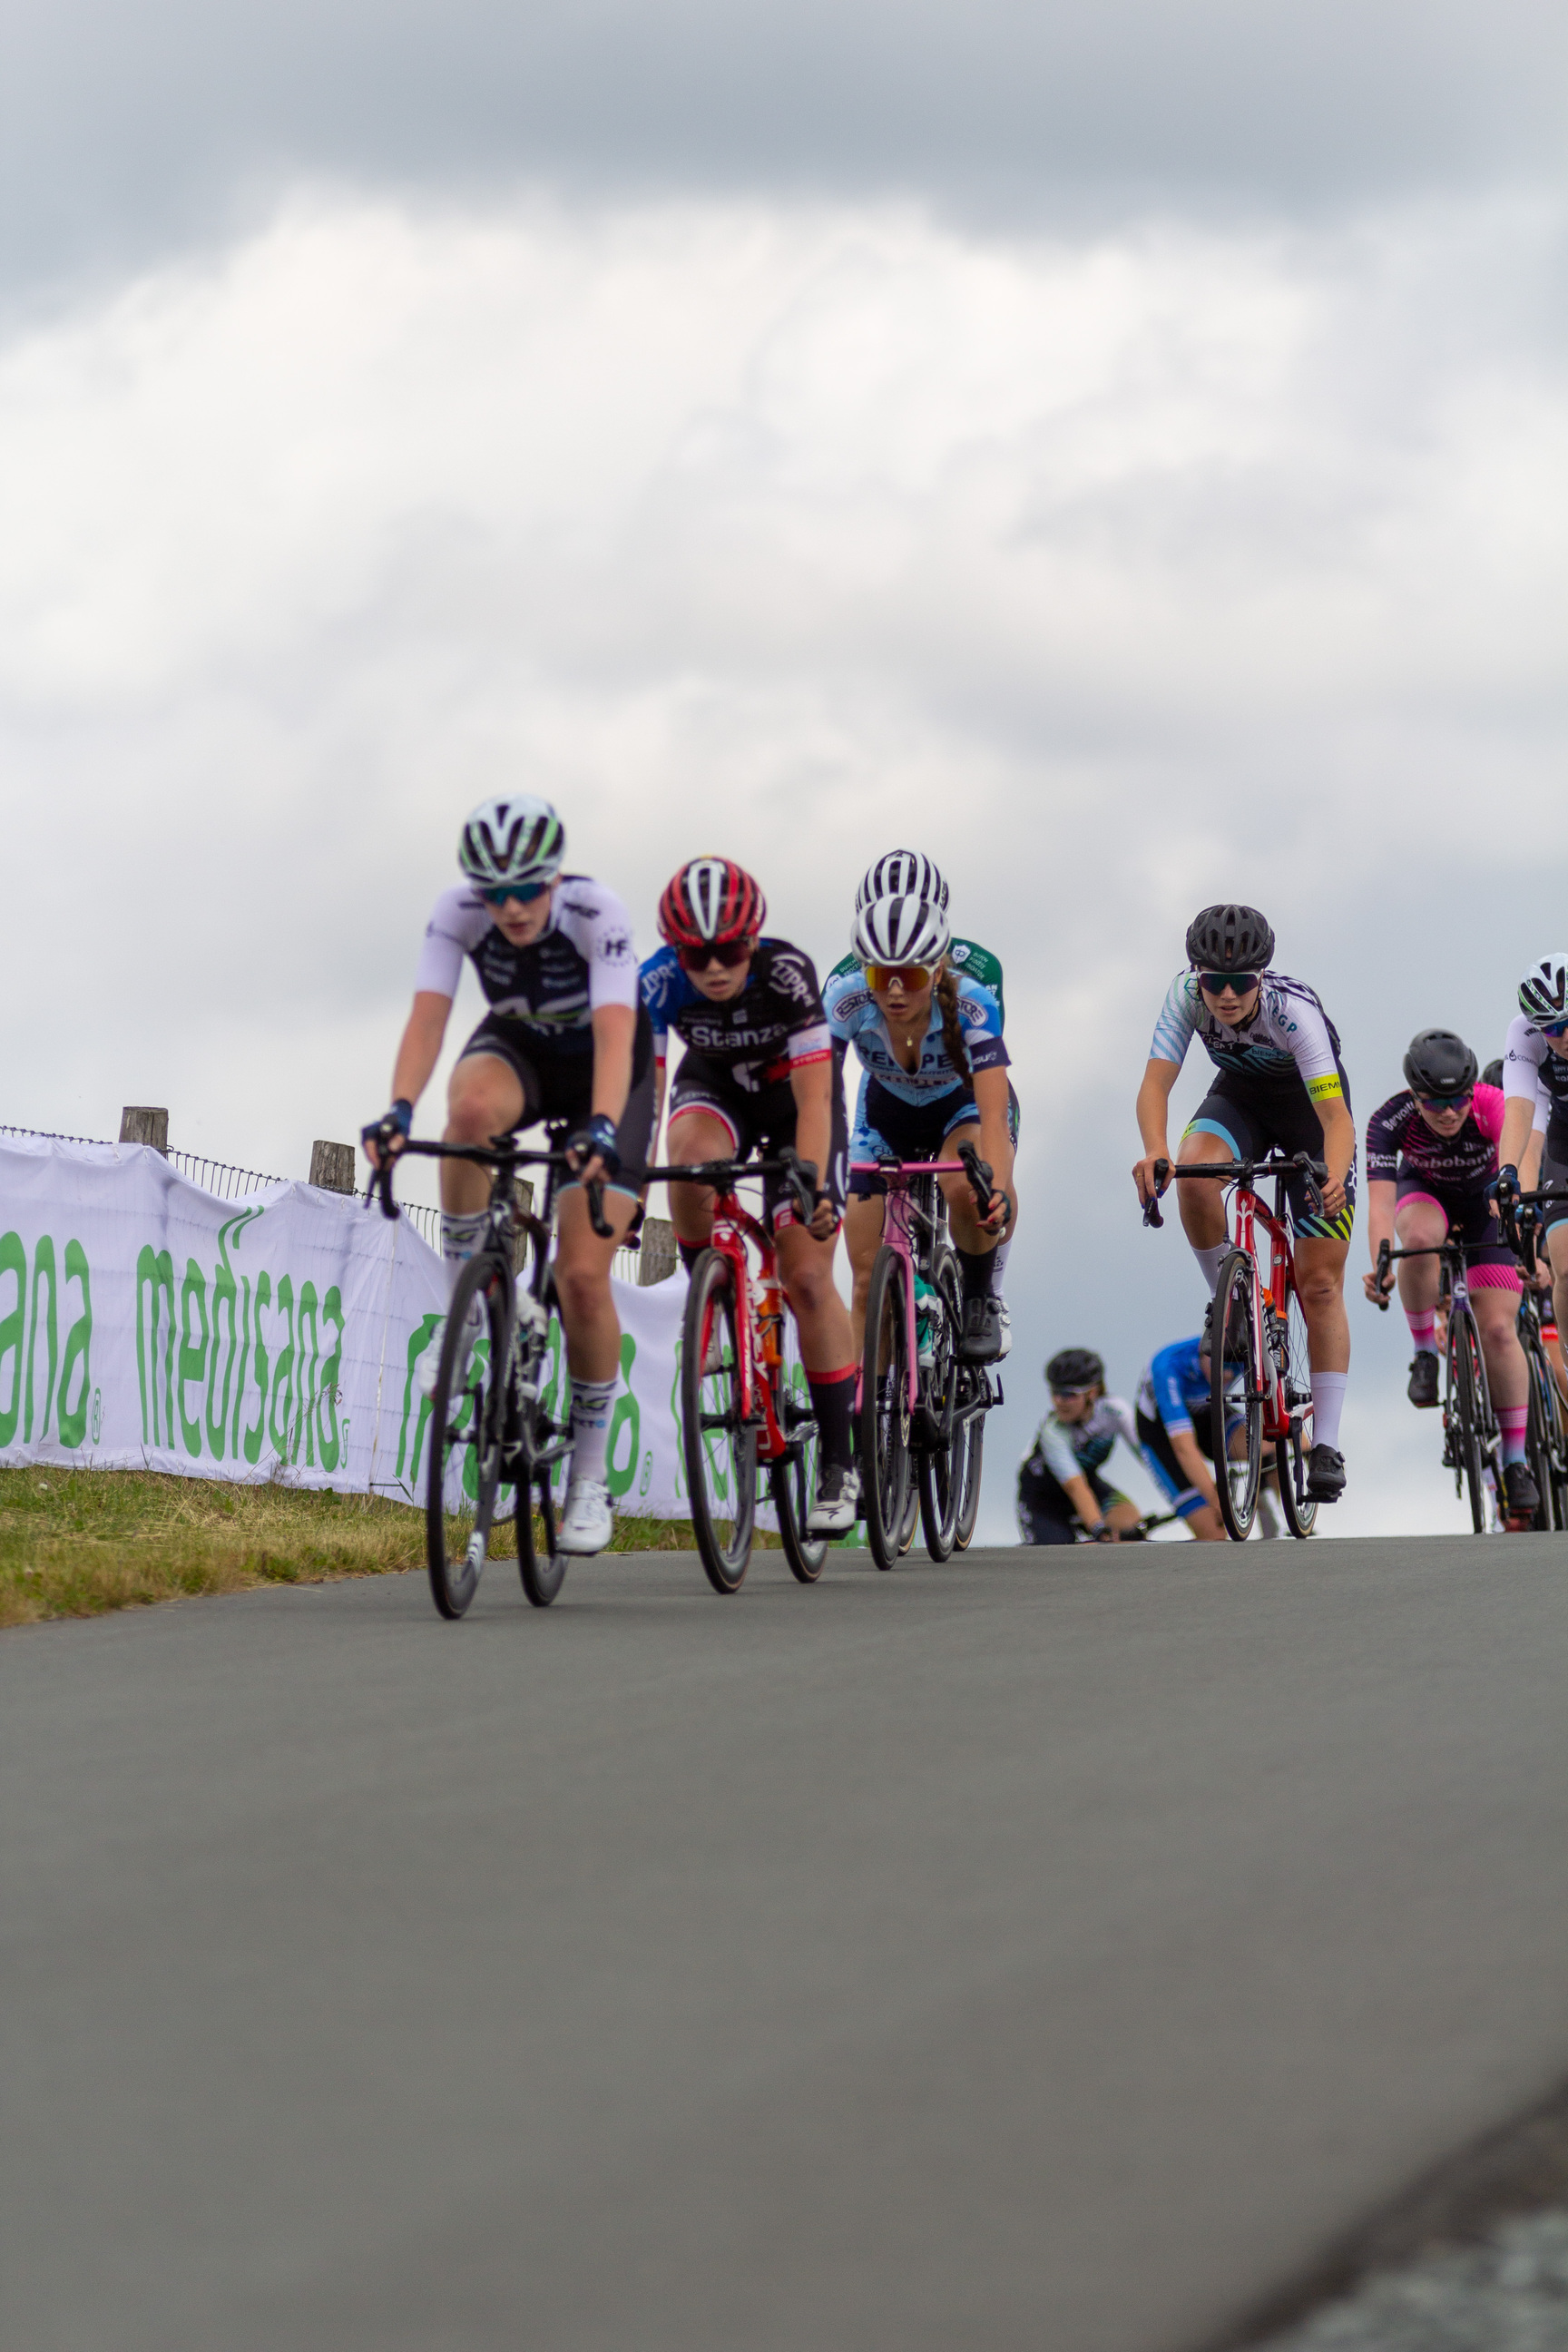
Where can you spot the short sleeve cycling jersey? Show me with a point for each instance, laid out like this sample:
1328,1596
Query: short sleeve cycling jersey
1533,1072
1174,1386
1400,1143
776,1024
854,1018
583,958
1288,1038
1070,1449
968,960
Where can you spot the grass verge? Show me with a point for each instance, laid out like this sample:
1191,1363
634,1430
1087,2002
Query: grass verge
74,1543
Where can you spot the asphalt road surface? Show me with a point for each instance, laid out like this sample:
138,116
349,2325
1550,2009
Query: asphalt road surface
1048,1950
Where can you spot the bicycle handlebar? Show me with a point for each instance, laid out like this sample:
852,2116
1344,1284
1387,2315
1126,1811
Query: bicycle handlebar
499,1153
1240,1172
724,1175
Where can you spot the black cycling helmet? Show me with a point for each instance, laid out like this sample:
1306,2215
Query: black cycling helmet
1492,1075
1075,1368
1440,1064
1229,938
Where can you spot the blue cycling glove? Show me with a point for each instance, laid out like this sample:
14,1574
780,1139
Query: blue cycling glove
596,1135
397,1121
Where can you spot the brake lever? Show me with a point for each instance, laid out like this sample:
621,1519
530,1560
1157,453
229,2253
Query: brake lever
596,1217
381,1188
1152,1215
980,1173
800,1177
1384,1252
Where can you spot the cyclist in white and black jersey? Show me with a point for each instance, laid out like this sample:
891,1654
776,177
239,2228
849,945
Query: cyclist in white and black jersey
1281,1086
566,1038
1535,1082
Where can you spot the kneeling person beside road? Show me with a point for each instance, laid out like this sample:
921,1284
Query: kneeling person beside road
1175,1420
1061,1489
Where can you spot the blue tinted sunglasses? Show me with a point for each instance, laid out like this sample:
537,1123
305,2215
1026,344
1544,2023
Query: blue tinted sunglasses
1448,1102
1214,983
526,892
1552,1028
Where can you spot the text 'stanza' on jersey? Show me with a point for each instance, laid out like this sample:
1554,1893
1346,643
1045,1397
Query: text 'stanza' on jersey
854,1018
776,1024
1071,1449
1288,1037
1533,1072
1174,1386
584,957
1400,1143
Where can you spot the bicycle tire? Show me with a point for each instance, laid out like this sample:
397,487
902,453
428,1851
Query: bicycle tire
885,1409
1466,1378
720,1446
542,1574
968,1450
467,1411
1291,1453
911,1526
939,1495
1235,1382
1538,1443
791,1484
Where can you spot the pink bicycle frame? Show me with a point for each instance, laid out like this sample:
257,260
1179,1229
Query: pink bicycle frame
896,1236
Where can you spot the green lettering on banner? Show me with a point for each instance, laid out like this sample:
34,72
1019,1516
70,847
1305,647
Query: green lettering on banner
43,1264
305,1418
12,1261
626,1418
255,1435
556,1395
333,1313
79,1345
155,1275
418,1341
225,1293
675,1415
284,1378
193,1358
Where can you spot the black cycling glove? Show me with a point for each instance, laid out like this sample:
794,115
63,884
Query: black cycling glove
596,1135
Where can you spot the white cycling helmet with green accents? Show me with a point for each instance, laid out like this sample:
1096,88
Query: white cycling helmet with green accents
1544,991
902,930
516,837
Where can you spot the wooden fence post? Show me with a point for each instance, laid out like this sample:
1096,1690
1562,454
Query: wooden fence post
141,1123
658,1256
332,1167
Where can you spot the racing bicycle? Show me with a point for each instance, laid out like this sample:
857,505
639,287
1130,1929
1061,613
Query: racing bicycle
921,1410
488,1426
1546,1435
1260,1375
1472,1446
737,1407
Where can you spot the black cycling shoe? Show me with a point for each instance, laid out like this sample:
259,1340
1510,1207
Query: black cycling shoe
983,1333
1522,1494
1422,1387
1325,1474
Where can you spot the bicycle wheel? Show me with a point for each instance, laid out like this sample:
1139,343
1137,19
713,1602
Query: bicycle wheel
1540,1451
721,1446
939,1492
1291,1453
466,1416
885,1409
1236,1384
1471,1417
792,1483
968,1447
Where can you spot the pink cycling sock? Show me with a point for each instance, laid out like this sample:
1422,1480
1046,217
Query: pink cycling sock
1513,1422
1423,1330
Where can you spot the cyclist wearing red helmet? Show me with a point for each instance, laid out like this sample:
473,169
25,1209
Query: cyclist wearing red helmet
759,1073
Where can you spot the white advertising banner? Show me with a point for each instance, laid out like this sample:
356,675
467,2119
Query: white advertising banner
146,1324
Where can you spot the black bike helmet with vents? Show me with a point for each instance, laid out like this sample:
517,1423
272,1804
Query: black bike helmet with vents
1229,938
1440,1064
1492,1075
1075,1368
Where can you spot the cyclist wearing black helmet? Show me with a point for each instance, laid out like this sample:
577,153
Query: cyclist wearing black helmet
1431,1157
1282,1085
1059,1486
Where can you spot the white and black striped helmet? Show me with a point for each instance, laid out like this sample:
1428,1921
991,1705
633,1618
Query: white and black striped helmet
900,930
516,837
901,874
1544,991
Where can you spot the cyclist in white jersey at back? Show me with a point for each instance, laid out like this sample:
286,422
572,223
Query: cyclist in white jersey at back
1535,1085
934,1075
1281,1087
566,1038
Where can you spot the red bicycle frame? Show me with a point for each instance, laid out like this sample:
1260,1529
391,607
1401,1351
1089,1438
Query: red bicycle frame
1249,1210
759,1320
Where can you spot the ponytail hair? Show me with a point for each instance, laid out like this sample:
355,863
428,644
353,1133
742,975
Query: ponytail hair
946,988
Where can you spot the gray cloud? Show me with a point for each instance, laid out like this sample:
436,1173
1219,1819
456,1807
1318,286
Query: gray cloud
124,130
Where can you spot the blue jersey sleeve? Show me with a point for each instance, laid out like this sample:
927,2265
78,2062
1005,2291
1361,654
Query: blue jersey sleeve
979,1018
1176,1376
1178,1021
664,990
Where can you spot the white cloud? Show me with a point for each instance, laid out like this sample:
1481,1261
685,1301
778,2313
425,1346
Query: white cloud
1118,573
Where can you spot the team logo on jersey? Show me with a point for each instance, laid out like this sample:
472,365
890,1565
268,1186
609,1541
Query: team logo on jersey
616,947
789,977
959,954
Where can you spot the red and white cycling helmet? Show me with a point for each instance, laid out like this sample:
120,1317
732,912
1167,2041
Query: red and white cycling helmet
711,902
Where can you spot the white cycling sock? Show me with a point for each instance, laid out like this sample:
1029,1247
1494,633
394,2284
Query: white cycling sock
459,1239
1210,1262
590,1401
998,1260
1328,1404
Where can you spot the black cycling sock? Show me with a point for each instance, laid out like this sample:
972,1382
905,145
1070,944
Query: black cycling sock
833,1402
975,1272
690,1254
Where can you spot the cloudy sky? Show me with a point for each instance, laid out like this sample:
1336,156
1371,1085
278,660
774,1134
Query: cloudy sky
1120,450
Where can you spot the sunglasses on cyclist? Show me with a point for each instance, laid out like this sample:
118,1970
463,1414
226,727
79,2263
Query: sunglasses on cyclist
524,892
1066,1396
1214,983
1447,1102
731,953
907,976
1552,1028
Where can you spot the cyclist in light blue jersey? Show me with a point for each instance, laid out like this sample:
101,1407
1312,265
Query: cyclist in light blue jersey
1174,1417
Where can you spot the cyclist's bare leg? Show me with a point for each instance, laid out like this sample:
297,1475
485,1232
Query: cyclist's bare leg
1507,1375
483,1099
962,1211
1321,1280
1205,1526
1202,1205
1419,1225
821,1317
695,1135
863,1223
582,1281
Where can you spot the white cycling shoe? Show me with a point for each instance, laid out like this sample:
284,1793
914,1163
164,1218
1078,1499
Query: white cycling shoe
838,1504
588,1519
428,1362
